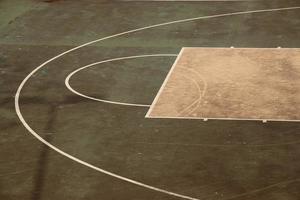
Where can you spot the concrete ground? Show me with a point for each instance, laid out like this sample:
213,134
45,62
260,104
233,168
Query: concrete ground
212,160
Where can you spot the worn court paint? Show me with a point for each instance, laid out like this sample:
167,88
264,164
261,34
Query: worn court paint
242,83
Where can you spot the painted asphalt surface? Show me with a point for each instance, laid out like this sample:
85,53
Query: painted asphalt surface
212,160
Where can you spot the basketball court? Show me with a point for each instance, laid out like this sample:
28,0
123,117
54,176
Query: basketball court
140,100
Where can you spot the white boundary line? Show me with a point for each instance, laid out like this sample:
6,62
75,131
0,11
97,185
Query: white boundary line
37,136
235,48
187,1
67,80
164,84
220,118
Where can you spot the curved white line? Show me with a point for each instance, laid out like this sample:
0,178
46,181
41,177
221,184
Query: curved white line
201,94
197,102
17,96
67,80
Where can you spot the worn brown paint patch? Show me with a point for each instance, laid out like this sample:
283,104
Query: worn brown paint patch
232,83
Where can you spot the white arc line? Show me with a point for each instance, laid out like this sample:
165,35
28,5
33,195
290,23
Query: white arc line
198,100
17,96
67,80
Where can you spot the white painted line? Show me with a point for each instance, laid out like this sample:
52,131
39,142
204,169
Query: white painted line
198,101
196,84
260,48
37,136
186,1
164,83
67,80
222,118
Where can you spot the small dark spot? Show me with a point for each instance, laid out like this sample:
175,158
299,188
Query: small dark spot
50,1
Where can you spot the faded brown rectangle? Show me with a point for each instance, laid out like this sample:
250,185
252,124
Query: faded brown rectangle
232,83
